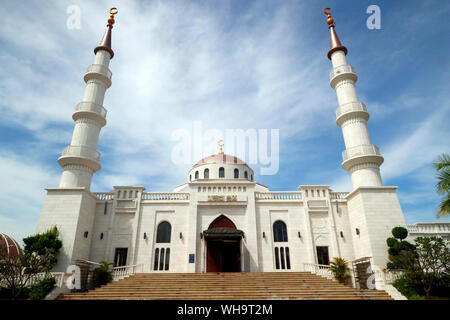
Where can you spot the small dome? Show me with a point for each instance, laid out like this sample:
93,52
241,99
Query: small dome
220,158
9,248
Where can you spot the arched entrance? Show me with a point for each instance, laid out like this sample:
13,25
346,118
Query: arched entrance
223,244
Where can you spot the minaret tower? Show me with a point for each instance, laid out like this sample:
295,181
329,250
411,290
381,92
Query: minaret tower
373,209
81,159
361,158
71,207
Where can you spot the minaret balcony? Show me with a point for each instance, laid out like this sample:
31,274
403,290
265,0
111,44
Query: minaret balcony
351,110
90,110
340,73
81,155
99,72
361,154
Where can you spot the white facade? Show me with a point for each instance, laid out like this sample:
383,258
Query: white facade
122,225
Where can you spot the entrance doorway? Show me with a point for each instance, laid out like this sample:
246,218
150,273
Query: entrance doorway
223,256
120,257
223,246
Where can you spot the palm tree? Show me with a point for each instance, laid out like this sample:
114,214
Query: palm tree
442,165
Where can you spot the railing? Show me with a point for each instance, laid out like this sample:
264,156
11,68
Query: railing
81,151
362,150
104,196
319,269
157,196
125,271
279,195
339,195
59,278
341,69
351,106
99,68
91,107
429,228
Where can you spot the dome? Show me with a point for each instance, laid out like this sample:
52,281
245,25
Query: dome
9,248
220,158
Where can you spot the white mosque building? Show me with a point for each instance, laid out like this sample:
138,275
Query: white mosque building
221,219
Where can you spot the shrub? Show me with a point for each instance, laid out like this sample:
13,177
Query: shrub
102,275
42,288
400,233
340,270
391,242
405,287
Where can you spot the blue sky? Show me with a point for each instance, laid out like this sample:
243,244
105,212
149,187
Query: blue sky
229,64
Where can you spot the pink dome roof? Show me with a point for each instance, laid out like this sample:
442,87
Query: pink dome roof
220,158
9,248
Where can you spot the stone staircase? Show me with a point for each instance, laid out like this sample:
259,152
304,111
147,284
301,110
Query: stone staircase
226,286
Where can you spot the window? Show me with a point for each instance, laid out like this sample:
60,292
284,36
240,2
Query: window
251,179
163,232
236,173
162,259
206,174
196,175
246,175
221,172
280,231
282,258
322,255
190,177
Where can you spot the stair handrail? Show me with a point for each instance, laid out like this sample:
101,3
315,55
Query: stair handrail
320,269
125,271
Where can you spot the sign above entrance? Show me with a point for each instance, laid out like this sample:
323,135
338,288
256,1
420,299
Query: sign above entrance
216,198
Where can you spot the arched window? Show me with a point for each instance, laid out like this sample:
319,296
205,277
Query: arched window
163,232
246,175
251,179
221,172
190,177
206,174
236,173
196,175
279,231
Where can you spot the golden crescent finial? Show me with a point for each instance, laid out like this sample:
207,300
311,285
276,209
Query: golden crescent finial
220,144
330,20
113,11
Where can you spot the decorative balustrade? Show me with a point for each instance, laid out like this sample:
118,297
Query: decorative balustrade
91,107
104,196
156,196
339,195
340,70
319,269
279,195
351,106
362,150
125,271
59,278
429,228
81,151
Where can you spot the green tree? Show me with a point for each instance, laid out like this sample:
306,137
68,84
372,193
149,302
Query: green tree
401,252
442,165
432,262
46,245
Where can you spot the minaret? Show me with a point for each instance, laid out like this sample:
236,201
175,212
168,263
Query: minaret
81,159
361,158
71,207
372,209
